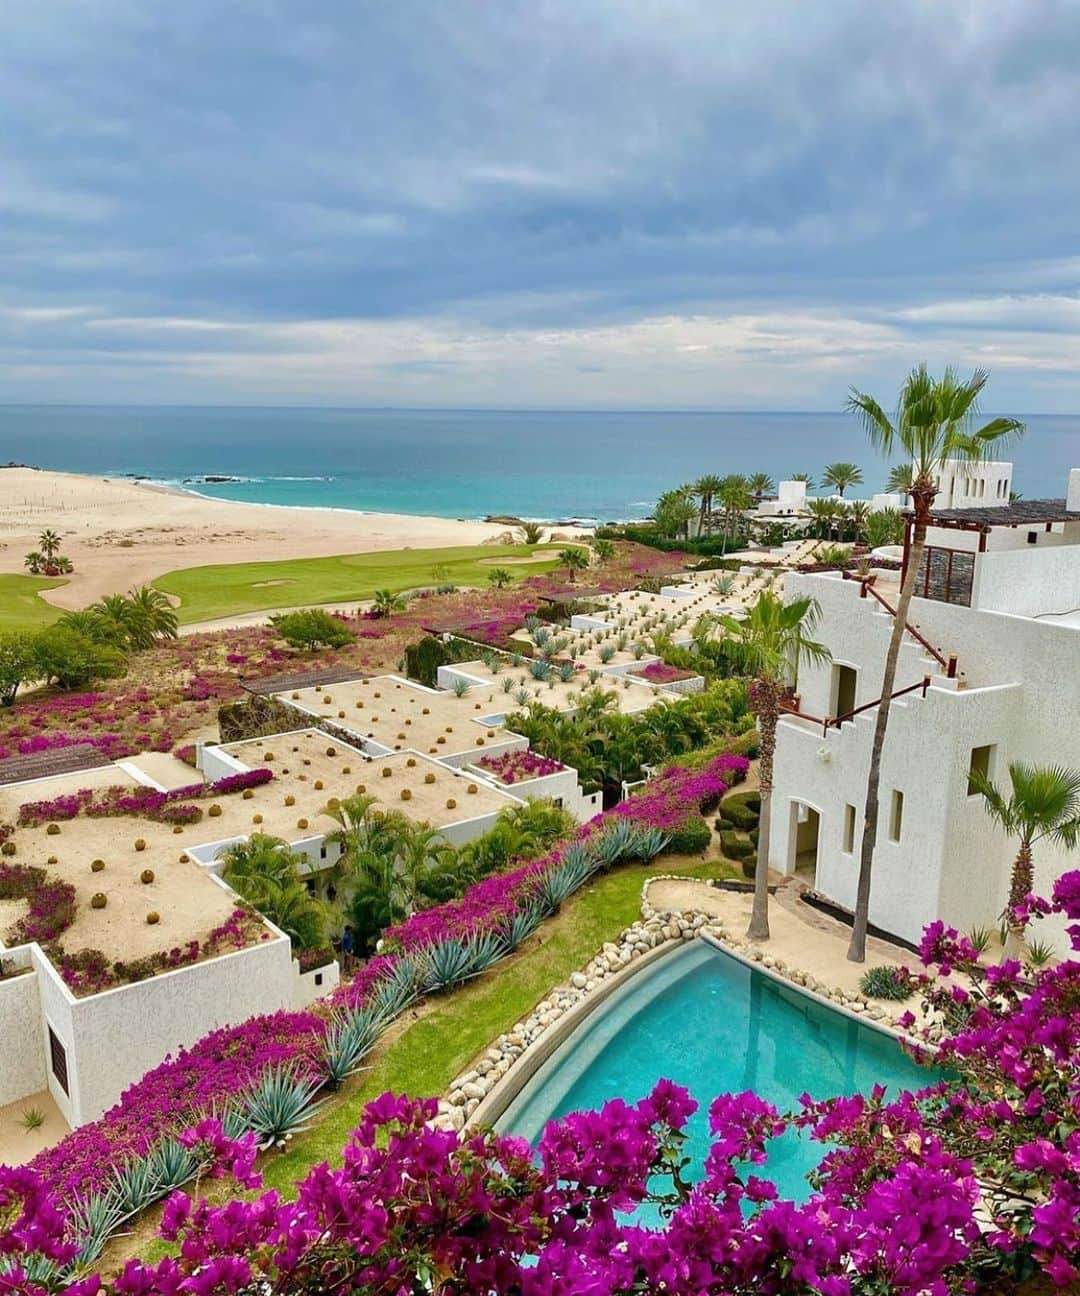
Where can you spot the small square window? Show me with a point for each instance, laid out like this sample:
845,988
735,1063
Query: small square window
896,815
318,978
849,829
982,760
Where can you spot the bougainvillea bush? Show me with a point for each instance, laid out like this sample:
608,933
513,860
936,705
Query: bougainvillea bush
519,766
143,802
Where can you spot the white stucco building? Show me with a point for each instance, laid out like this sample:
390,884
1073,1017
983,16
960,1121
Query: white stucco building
995,678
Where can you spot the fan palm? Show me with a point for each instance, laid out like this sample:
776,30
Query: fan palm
933,425
770,643
900,478
49,543
1044,805
152,609
803,477
858,514
734,497
824,512
841,475
386,602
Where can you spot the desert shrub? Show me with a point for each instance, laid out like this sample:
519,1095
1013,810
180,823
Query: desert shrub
312,629
885,982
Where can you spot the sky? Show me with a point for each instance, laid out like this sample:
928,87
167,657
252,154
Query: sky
590,203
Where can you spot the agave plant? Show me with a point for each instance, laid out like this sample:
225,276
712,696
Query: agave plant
558,883
449,963
349,1037
615,843
461,687
647,843
279,1104
540,669
579,854
393,993
566,672
522,696
172,1164
541,635
519,926
507,684
91,1220
485,948
134,1185
532,622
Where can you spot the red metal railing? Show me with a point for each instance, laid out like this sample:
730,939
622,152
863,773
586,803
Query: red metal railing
791,707
947,664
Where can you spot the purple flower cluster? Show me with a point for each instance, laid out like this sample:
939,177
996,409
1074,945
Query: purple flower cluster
661,673
144,802
519,766
51,903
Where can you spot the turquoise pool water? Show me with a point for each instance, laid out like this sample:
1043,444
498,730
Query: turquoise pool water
713,1024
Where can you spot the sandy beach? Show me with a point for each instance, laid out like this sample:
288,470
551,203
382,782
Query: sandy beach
119,533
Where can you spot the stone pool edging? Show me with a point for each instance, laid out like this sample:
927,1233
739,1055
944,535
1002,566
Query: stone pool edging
480,1095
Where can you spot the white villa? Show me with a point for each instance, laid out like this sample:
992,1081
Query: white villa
989,673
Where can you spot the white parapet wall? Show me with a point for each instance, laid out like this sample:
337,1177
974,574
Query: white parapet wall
22,1058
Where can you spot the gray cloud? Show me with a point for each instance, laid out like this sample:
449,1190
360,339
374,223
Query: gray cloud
608,203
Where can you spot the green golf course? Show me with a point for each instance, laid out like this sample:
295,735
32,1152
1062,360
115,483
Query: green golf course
20,606
227,589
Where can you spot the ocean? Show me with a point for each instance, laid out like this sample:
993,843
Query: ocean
557,465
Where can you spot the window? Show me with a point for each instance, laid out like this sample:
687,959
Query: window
896,815
1033,537
981,763
844,683
58,1061
322,852
849,829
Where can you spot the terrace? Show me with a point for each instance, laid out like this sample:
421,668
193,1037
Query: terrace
512,684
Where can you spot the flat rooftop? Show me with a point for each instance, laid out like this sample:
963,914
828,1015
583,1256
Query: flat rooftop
630,697
398,714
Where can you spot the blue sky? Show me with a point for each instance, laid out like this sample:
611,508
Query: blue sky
585,203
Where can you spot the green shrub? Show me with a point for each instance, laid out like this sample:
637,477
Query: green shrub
740,815
311,629
735,846
691,839
885,982
71,660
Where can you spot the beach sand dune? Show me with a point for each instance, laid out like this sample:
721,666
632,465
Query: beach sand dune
120,533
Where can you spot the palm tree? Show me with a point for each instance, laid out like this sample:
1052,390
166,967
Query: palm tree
1044,805
34,562
531,532
760,484
124,624
675,510
152,609
386,602
734,496
857,516
900,478
604,550
770,643
803,477
574,560
884,527
706,488
933,425
266,873
49,543
499,577
89,623
823,511
841,475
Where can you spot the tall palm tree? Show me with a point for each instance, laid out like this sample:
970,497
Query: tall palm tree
841,475
824,512
803,477
760,484
858,514
734,497
899,480
769,644
933,425
1044,805
574,560
706,488
49,543
122,620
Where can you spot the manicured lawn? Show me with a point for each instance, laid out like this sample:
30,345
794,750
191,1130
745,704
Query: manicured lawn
229,588
20,607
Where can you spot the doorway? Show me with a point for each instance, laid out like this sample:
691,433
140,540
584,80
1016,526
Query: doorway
804,836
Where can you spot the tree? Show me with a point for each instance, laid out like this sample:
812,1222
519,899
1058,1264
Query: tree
311,628
674,511
824,512
706,488
900,478
267,874
734,497
34,562
857,516
153,613
386,602
1044,805
933,425
841,475
803,477
499,577
18,664
760,484
574,560
49,543
70,660
604,550
883,527
531,533
770,642
92,625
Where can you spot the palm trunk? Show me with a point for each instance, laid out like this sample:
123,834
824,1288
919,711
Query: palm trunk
1020,887
768,711
857,948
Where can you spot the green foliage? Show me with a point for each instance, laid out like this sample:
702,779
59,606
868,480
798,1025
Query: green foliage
884,982
841,475
884,527
499,577
134,621
18,664
266,873
386,602
735,846
71,660
423,659
312,629
531,532
279,1104
691,839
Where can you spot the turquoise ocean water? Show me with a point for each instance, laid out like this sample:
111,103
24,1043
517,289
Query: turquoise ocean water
467,463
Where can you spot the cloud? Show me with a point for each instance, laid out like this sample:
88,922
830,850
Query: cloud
568,202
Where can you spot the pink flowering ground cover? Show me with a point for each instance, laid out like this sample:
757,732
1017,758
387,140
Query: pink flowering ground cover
661,673
143,802
519,766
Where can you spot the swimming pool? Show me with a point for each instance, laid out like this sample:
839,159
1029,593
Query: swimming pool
715,1025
